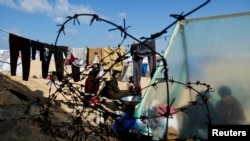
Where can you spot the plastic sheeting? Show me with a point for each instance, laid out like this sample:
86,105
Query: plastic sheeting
205,51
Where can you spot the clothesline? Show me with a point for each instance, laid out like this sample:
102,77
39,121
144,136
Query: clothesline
7,32
4,31
128,45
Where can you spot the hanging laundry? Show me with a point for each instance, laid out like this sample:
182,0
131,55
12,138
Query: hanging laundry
119,58
59,52
138,52
16,44
72,58
113,59
78,58
48,51
37,46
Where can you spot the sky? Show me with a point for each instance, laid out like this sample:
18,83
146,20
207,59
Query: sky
41,20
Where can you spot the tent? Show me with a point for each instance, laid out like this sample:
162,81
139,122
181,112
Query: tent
127,71
5,62
207,52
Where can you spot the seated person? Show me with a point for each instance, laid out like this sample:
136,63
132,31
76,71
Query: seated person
229,107
111,89
134,89
131,86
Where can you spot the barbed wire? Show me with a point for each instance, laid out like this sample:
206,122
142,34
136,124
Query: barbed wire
78,127
123,29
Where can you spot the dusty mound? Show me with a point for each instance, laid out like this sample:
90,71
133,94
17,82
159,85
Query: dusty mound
17,105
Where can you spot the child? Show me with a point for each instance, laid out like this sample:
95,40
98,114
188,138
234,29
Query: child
131,86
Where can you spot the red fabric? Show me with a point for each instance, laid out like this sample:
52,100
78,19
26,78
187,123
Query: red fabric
91,85
94,100
72,58
162,109
138,86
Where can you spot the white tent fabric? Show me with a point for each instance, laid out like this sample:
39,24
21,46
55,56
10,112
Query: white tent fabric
5,62
205,51
127,71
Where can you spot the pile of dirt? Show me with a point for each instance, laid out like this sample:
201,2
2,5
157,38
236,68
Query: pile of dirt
18,103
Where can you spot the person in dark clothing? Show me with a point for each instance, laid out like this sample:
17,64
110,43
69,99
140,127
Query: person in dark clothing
92,82
111,89
198,116
229,108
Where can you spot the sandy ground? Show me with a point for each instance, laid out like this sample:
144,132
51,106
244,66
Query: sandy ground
16,112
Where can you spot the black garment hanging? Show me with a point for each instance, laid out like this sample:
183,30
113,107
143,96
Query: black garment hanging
37,46
59,61
138,52
16,44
